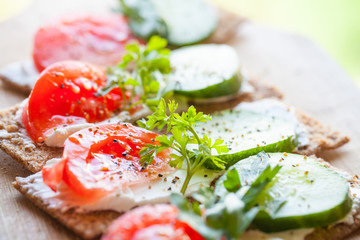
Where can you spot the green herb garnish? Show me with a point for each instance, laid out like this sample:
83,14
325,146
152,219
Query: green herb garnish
230,209
150,64
188,146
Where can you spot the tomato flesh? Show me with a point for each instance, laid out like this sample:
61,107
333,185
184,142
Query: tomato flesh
98,39
98,160
151,222
65,94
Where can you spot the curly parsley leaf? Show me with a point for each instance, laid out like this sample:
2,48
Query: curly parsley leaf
229,212
188,147
149,64
232,182
143,18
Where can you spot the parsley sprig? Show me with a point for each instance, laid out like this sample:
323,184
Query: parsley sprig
188,146
231,208
149,65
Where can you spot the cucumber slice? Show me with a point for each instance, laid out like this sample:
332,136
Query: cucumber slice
248,133
314,195
143,19
187,21
205,71
181,22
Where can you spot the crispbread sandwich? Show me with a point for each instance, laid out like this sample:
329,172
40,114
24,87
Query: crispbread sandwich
21,76
16,143
88,223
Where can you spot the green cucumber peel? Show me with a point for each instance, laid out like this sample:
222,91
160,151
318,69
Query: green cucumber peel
229,214
287,145
205,71
304,194
247,133
181,22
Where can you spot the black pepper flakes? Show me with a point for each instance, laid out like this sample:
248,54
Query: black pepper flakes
176,178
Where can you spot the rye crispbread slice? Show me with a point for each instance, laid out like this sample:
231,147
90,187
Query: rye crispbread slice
86,225
16,143
19,76
92,224
227,27
321,137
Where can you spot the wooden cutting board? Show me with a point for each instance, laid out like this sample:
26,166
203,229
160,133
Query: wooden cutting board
308,77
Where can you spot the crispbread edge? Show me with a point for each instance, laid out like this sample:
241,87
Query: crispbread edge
93,224
86,225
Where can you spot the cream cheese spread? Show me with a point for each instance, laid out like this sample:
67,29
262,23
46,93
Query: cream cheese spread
275,108
58,136
156,191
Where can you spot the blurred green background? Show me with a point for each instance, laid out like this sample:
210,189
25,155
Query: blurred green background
333,24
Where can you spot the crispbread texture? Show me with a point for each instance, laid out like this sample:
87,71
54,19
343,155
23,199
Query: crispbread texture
9,83
227,27
86,225
19,76
93,224
320,137
16,143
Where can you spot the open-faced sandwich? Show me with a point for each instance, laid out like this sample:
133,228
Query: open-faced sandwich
70,96
106,171
100,38
91,164
141,142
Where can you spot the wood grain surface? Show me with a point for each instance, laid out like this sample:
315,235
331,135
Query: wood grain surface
308,77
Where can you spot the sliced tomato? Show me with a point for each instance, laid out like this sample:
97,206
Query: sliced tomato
65,94
151,222
98,160
98,39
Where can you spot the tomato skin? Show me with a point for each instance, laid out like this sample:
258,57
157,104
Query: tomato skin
99,160
65,94
98,39
151,222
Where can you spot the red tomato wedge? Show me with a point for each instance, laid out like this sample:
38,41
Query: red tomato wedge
99,160
65,94
151,222
98,39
